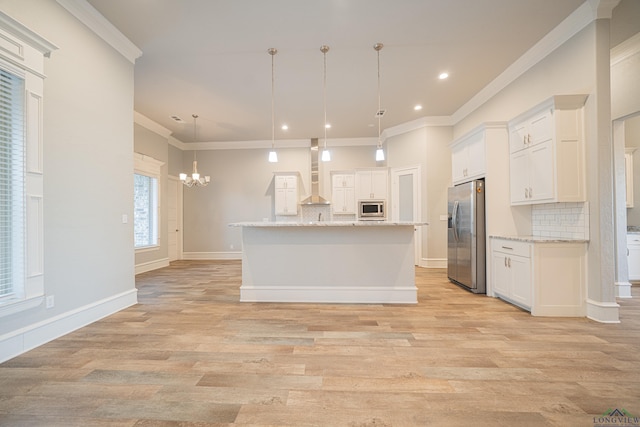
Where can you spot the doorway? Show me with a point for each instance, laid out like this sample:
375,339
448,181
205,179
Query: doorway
174,219
406,202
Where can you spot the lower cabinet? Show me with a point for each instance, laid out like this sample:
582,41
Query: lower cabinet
545,277
512,272
633,256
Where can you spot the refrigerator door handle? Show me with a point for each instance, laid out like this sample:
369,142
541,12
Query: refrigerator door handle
454,220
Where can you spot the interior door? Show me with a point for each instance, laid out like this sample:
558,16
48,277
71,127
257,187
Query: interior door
173,220
406,202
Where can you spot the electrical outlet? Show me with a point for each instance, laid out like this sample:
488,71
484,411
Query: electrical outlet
50,301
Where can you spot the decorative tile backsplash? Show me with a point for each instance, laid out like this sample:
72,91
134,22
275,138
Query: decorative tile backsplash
315,212
566,220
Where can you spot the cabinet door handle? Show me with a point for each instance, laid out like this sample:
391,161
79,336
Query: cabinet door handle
507,247
530,192
509,263
526,193
505,261
528,139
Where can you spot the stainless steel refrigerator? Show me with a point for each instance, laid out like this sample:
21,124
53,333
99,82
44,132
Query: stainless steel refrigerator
466,257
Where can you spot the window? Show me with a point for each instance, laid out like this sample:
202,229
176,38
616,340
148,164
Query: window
145,213
146,201
12,185
21,166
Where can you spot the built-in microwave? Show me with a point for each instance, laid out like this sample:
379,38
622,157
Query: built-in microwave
371,210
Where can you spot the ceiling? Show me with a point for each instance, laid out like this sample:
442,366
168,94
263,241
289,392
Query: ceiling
209,57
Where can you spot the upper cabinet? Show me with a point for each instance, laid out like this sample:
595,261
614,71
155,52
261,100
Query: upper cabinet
343,199
468,161
372,184
546,146
286,193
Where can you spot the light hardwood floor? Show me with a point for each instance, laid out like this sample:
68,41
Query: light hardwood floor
190,354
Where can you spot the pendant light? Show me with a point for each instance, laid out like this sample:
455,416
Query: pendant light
195,178
273,156
379,151
326,154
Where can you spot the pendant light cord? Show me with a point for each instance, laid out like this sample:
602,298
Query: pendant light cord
273,114
195,117
378,113
324,92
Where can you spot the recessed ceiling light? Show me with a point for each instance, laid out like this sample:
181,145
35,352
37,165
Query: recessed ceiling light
443,76
328,125
418,107
285,127
177,119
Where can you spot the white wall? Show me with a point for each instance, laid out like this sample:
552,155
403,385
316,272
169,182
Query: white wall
88,163
429,148
241,189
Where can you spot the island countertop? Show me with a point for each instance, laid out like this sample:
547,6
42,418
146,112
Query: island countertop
326,224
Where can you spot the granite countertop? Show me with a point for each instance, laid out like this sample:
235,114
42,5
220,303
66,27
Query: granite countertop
540,239
325,224
633,229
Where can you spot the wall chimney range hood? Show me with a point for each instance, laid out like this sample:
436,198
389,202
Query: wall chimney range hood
315,198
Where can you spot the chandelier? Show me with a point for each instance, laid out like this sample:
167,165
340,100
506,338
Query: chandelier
195,179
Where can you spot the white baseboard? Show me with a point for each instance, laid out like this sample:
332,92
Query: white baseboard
603,312
623,290
330,294
17,342
152,265
211,255
433,262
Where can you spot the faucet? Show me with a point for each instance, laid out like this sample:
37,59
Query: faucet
319,216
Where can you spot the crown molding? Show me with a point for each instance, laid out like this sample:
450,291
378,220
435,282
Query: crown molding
33,39
246,145
417,124
149,124
603,9
625,50
580,18
177,143
97,23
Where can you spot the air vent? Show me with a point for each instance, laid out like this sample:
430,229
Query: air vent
177,119
381,112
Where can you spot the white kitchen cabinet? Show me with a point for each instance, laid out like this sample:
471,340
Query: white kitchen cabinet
546,147
372,184
533,179
628,175
546,277
286,194
343,199
468,158
511,263
633,255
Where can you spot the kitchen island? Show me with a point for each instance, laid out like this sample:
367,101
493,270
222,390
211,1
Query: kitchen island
328,262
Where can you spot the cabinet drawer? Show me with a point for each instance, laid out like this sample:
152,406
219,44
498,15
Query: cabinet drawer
511,247
633,239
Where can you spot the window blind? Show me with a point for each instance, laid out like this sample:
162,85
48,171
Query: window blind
12,184
145,212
